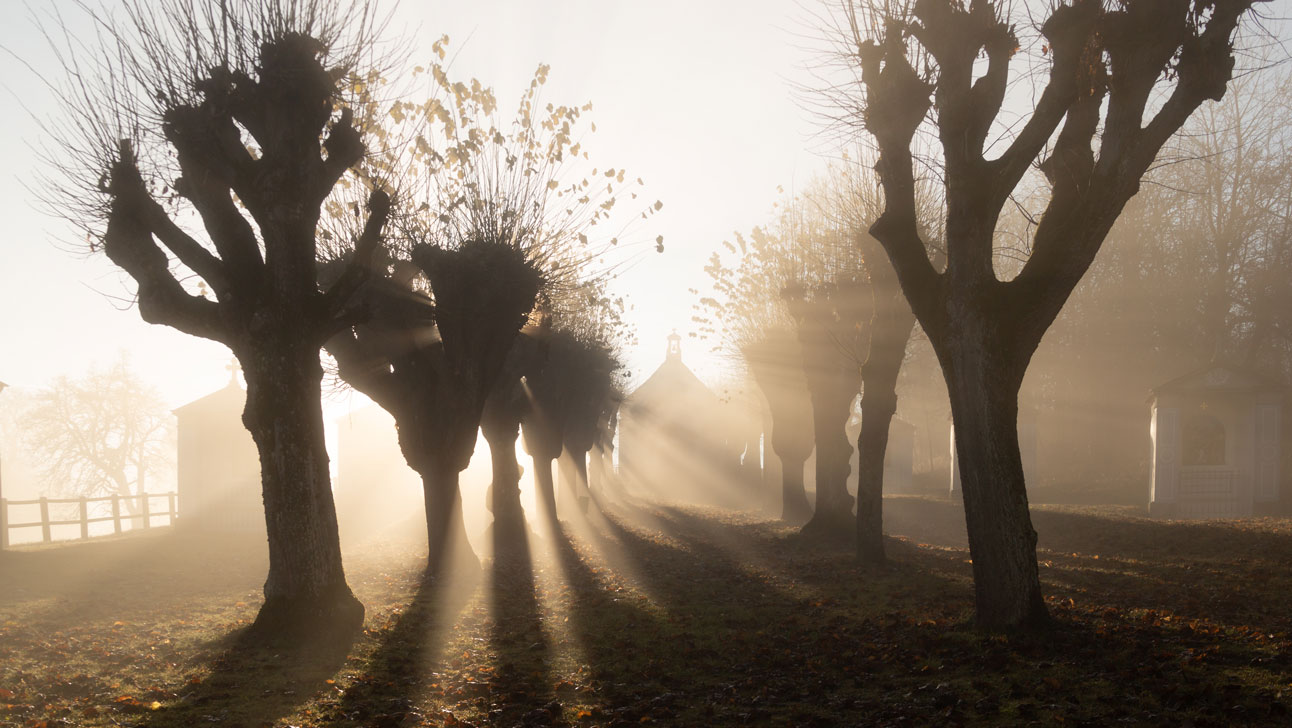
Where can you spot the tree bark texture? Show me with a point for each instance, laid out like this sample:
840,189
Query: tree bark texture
305,591
983,386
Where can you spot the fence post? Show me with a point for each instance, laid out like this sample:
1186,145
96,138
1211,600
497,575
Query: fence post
116,513
85,519
44,519
147,516
4,523
170,507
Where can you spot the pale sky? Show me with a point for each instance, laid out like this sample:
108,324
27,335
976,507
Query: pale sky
694,97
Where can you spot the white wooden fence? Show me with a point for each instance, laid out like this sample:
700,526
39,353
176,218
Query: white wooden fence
144,517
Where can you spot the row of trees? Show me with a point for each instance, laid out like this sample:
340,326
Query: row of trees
932,89
258,120
810,305
243,167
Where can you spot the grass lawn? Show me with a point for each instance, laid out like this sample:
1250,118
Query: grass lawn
671,616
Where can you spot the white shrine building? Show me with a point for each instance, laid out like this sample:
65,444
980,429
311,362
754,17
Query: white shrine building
1216,445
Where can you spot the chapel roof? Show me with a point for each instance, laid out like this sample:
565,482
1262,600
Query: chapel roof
230,397
672,382
1217,377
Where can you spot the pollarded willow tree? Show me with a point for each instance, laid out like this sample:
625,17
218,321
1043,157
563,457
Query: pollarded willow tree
489,221
560,388
751,322
572,386
1122,79
830,303
796,307
851,325
851,198
199,145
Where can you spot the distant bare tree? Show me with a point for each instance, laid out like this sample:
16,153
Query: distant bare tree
106,433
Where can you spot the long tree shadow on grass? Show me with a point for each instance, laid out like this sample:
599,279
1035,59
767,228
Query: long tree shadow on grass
408,650
1226,572
941,521
895,648
618,635
249,685
520,678
732,647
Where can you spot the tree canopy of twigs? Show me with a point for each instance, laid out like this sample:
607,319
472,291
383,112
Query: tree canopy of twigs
463,171
107,433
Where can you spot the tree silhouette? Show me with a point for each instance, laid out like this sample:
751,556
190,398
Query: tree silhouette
890,331
504,409
430,359
568,391
1122,79
832,320
592,400
776,363
236,118
801,277
489,226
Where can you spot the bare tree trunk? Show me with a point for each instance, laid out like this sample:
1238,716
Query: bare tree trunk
983,384
610,484
751,467
306,594
773,474
832,515
448,549
582,490
508,514
546,489
878,405
566,491
890,332
794,501
597,471
131,497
